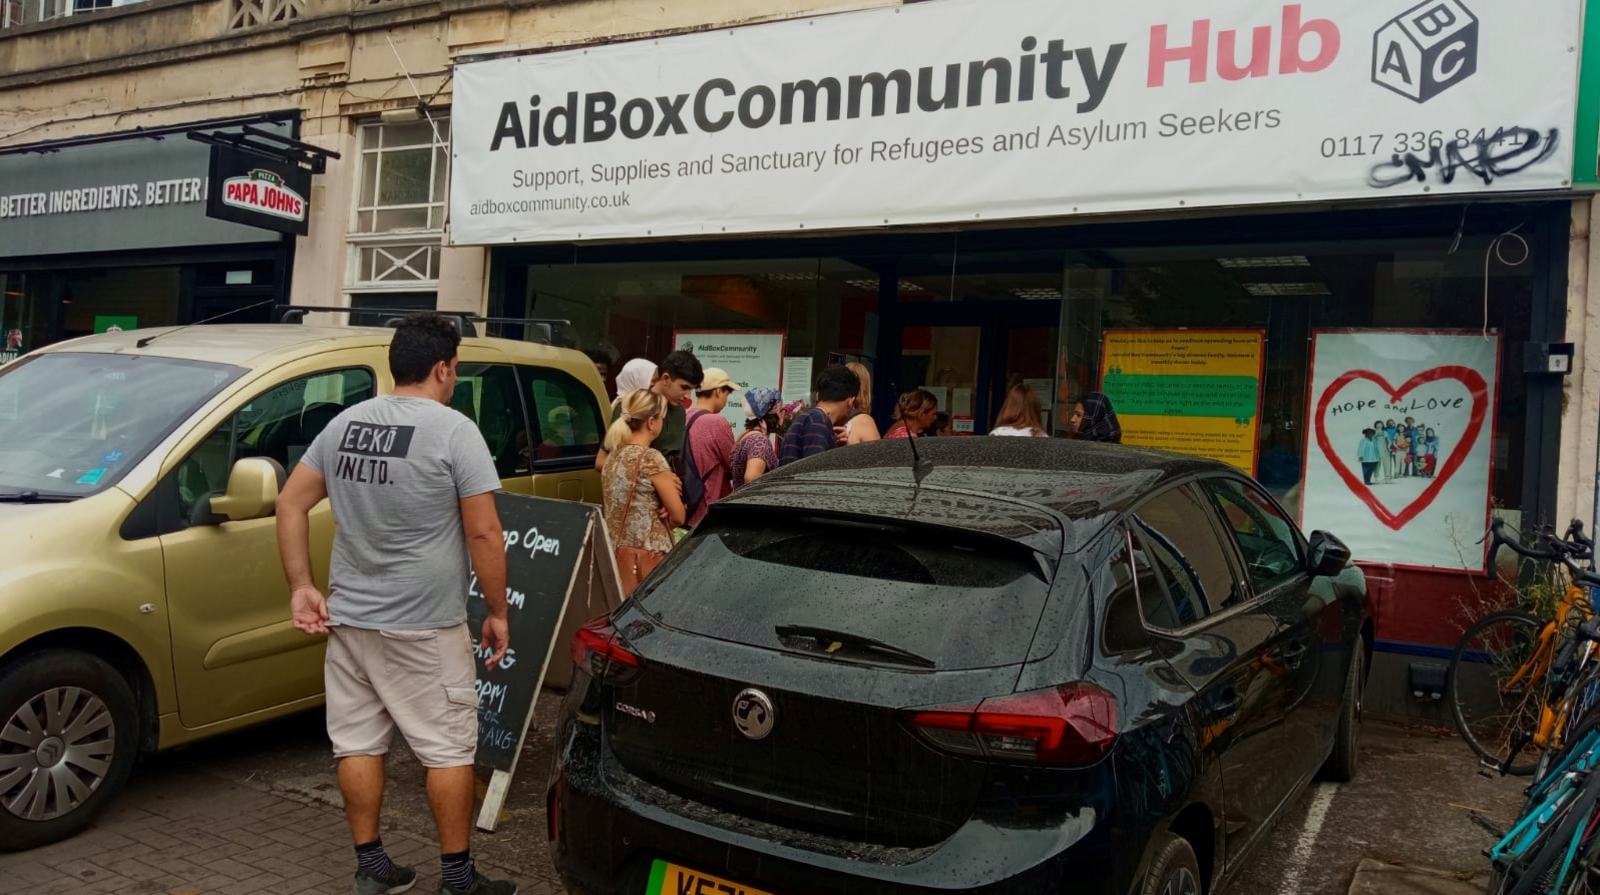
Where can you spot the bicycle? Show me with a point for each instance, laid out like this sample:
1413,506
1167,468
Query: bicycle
1529,663
1553,847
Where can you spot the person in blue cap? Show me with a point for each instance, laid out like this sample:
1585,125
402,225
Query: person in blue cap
753,455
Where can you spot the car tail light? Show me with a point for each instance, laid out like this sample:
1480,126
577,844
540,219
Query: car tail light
1073,725
598,649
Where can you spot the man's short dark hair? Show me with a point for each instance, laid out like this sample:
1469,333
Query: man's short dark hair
837,382
420,342
599,357
682,365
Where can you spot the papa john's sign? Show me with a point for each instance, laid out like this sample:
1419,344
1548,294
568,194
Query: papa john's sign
259,190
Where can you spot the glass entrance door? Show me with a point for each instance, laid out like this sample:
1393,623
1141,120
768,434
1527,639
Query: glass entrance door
941,360
968,354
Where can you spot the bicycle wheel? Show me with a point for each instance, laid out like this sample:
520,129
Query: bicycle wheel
1495,700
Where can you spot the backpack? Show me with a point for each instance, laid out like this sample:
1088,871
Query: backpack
694,484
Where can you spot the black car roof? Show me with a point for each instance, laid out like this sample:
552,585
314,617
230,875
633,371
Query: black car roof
1012,487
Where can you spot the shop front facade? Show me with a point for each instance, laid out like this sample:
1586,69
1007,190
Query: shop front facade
111,232
1360,223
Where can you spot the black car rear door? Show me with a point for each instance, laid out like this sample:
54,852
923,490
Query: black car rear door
1219,642
1308,648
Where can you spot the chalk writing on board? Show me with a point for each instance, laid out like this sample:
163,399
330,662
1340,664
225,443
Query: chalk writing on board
543,545
533,542
515,598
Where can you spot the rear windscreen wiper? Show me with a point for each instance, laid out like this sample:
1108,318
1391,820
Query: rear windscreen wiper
830,640
34,497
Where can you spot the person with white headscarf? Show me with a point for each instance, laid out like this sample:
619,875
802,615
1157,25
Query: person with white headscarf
678,375
635,374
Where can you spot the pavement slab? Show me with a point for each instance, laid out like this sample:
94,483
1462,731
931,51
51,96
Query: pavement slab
259,813
1409,807
1377,878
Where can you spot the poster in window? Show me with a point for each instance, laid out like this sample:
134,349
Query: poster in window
796,381
1400,444
1187,391
751,359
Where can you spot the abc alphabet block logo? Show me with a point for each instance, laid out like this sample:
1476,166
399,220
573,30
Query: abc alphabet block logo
1426,50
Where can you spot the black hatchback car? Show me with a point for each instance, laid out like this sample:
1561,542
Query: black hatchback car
1046,666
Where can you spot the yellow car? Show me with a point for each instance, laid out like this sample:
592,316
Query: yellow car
142,605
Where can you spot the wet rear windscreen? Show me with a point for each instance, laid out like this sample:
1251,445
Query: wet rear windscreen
954,600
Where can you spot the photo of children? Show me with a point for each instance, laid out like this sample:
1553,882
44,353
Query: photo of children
1405,451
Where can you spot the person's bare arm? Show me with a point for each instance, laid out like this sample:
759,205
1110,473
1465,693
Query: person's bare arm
670,490
754,468
305,489
600,459
864,429
486,544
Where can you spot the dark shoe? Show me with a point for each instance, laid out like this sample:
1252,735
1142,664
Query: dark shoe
481,885
398,879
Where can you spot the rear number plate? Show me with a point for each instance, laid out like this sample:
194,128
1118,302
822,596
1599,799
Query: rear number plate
670,879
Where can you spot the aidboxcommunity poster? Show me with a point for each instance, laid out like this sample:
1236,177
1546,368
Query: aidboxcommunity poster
751,360
1400,444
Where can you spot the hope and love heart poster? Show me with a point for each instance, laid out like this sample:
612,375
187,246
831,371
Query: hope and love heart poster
1399,445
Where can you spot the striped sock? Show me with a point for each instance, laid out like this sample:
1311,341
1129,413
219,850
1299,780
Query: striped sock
457,871
373,860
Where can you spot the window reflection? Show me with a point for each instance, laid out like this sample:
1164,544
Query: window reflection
1289,290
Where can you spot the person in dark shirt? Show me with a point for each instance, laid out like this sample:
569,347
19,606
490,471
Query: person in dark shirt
818,429
678,375
602,365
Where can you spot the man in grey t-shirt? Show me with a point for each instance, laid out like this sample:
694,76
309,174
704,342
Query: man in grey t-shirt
412,489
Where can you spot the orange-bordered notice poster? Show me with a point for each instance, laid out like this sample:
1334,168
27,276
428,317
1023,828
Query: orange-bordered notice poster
1193,392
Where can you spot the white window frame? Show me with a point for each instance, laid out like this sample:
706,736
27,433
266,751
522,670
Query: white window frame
370,151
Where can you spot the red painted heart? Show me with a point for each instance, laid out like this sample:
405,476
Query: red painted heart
1476,387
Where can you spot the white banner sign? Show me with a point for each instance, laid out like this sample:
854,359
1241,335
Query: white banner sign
1399,444
962,110
750,359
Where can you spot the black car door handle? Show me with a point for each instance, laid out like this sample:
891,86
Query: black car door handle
1294,650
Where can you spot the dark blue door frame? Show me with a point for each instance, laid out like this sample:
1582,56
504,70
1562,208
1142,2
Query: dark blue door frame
995,319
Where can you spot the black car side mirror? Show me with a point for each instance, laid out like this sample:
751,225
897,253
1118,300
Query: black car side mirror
1328,555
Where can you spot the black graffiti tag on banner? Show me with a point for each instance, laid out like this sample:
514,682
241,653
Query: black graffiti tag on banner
1510,151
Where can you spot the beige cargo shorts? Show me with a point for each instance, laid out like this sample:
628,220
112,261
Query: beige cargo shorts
423,682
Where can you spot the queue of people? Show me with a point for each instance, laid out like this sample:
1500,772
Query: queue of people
663,467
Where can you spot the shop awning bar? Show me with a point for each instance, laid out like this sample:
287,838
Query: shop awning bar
150,133
295,152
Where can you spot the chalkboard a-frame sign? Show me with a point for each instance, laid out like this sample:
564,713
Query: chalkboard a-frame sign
558,558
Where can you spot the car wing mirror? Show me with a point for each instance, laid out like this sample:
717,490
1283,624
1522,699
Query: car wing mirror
253,488
1328,555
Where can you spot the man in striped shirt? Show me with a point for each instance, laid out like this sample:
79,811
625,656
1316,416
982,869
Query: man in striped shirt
817,430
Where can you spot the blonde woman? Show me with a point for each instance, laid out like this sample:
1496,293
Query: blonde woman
643,499
861,427
914,414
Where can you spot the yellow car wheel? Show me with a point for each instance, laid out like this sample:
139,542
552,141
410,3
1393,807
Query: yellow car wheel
69,734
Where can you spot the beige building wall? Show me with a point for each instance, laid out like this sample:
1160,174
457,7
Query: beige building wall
1580,407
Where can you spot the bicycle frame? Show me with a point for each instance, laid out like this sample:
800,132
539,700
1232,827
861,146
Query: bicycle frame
1574,609
1564,787
1553,720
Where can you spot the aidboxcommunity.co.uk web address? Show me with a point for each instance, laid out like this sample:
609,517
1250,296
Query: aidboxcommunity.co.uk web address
579,204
